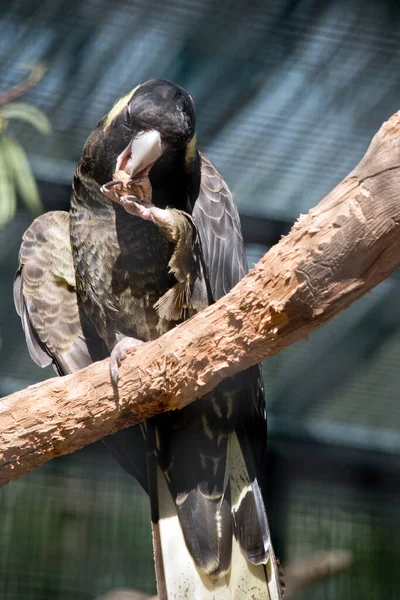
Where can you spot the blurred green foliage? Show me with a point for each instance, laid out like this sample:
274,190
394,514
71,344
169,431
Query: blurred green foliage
16,175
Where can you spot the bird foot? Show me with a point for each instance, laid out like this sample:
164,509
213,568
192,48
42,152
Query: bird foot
143,209
118,354
139,206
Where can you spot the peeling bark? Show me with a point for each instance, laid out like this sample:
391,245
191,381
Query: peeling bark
340,250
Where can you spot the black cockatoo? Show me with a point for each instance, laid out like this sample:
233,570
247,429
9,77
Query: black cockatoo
152,237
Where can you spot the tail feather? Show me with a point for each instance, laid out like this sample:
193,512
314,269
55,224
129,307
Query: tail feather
249,516
178,578
181,580
209,548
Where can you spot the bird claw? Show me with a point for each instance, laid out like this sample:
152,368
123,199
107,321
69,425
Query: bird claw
110,189
134,206
138,207
110,184
118,354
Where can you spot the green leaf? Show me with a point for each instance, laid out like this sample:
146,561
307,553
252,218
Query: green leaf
8,201
21,173
26,112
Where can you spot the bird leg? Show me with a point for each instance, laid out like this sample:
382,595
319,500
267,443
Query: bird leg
118,354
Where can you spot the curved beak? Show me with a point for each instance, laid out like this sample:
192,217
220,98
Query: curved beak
141,153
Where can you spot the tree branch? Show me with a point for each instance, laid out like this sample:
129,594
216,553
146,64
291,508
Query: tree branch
35,75
333,255
314,569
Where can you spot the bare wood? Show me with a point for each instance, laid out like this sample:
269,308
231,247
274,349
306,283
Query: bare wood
333,255
314,569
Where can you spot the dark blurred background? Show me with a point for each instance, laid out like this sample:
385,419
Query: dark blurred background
288,95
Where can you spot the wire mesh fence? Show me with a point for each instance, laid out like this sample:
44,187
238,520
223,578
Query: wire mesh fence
288,97
330,498
75,528
79,527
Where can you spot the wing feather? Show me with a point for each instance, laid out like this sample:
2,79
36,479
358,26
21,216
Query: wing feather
218,224
45,296
56,331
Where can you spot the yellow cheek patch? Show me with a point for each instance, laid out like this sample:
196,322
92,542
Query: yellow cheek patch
119,107
191,150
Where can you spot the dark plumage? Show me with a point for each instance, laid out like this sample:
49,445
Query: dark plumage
131,269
